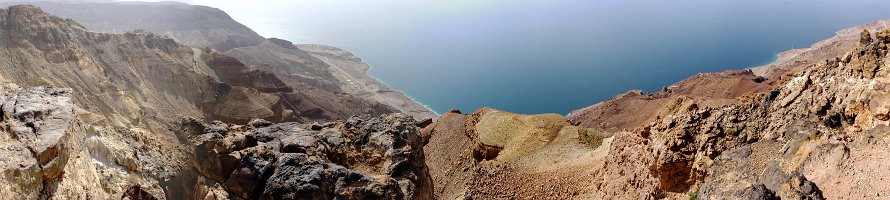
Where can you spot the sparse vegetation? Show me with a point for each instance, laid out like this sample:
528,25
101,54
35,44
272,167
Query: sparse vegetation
693,194
732,132
592,138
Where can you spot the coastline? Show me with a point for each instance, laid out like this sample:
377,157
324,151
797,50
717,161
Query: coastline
837,44
352,73
410,97
389,87
762,69
785,60
427,107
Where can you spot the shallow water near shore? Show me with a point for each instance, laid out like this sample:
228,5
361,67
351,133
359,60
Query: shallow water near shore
532,56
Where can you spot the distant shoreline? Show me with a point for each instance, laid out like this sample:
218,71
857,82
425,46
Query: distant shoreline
761,69
368,73
354,71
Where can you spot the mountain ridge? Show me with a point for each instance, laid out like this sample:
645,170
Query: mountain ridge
295,67
130,90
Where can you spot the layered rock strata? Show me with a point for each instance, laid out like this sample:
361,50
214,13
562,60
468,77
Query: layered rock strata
317,73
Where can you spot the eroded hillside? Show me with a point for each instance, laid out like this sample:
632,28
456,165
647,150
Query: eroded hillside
130,90
319,79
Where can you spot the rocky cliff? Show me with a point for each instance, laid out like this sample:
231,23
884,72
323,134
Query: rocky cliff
130,90
37,138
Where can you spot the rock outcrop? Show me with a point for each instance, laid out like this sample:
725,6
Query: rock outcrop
36,140
361,158
765,146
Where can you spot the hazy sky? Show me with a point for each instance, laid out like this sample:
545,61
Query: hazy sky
328,21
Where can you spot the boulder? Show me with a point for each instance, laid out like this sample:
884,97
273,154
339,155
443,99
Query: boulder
35,124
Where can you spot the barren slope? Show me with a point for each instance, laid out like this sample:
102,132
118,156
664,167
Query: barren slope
493,154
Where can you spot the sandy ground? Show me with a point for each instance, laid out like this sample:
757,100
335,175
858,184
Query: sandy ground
542,157
852,171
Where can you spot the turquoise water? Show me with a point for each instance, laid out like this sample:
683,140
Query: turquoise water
531,56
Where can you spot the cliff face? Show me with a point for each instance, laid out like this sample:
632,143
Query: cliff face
291,64
200,26
37,132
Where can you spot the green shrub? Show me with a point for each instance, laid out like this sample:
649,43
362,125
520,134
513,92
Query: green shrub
732,132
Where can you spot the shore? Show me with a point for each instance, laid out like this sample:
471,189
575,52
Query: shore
839,43
613,114
352,74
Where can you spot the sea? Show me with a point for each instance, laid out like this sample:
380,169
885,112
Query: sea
555,56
